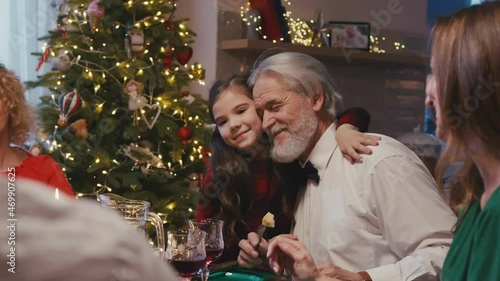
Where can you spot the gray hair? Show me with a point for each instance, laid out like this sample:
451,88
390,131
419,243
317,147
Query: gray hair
303,74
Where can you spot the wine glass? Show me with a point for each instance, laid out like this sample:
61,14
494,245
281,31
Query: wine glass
186,252
214,242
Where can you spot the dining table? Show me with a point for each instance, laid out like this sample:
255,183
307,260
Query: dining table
231,271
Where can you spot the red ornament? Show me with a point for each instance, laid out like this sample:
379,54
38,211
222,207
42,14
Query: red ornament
205,154
167,62
63,31
169,24
43,58
184,56
184,93
185,134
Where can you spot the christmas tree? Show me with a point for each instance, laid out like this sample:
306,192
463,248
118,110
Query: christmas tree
120,118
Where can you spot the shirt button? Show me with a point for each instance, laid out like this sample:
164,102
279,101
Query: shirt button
307,231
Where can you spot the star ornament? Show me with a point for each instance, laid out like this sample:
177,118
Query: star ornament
320,30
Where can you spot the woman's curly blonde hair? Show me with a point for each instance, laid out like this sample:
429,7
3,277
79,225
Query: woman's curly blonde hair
21,116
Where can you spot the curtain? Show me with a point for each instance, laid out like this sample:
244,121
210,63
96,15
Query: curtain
22,23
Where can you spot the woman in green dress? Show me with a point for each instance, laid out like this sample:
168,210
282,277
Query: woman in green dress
464,92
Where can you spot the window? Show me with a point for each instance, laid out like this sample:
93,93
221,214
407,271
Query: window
24,21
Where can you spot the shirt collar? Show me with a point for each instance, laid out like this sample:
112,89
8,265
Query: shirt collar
323,150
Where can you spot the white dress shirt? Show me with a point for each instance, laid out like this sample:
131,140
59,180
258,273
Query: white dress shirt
68,239
384,215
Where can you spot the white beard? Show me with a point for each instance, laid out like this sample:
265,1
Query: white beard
299,137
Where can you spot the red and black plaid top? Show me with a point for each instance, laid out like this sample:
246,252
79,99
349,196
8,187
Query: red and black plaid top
265,200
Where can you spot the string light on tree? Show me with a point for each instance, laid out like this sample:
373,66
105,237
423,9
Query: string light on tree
91,146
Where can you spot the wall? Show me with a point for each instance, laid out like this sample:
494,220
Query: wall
213,22
379,88
436,9
23,22
392,93
394,19
203,22
410,16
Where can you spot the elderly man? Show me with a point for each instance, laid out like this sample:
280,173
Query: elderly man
382,219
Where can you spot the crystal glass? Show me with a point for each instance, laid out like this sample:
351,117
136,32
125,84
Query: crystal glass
186,252
136,213
214,241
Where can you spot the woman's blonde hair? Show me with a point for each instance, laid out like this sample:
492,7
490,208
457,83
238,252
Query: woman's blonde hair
21,117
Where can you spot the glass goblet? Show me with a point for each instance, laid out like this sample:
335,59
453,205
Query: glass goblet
186,252
214,241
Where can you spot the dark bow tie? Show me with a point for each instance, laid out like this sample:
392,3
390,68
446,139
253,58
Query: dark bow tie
311,172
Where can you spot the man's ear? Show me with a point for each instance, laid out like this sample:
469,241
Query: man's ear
318,100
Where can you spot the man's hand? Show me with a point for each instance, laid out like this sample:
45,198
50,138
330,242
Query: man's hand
329,271
250,256
291,255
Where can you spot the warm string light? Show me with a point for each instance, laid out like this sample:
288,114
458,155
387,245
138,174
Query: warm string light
299,31
301,34
193,72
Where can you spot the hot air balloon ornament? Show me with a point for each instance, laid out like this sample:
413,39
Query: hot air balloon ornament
69,103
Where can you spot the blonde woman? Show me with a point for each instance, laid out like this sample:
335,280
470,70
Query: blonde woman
16,120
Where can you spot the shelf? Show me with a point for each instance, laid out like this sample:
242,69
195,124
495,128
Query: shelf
259,46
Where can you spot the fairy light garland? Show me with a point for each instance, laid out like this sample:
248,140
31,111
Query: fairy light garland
301,34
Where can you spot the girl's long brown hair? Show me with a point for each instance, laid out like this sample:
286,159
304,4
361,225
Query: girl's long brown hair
233,183
466,66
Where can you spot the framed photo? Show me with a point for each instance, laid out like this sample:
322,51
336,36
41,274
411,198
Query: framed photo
351,35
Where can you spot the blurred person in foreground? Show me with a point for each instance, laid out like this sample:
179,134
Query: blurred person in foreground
464,91
49,239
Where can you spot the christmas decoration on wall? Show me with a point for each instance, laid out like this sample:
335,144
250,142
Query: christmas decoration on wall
69,103
320,32
274,26
381,44
136,136
253,22
292,30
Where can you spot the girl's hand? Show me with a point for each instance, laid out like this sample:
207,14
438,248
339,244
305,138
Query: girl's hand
353,143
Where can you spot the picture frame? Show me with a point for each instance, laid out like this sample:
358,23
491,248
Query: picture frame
349,35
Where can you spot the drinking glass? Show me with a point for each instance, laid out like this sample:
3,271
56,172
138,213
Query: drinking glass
214,242
186,252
